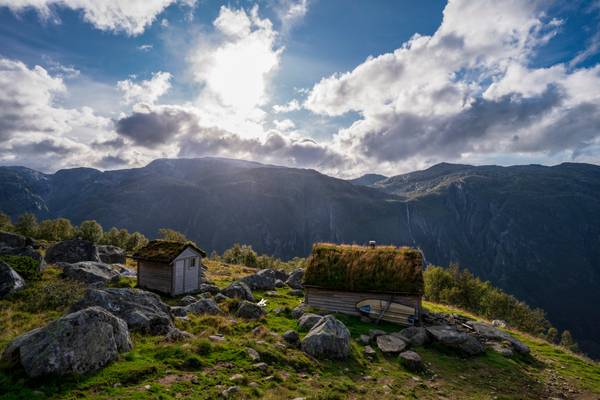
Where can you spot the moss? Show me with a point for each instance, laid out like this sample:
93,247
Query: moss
360,268
164,251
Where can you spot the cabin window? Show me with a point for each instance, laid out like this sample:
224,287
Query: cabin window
193,262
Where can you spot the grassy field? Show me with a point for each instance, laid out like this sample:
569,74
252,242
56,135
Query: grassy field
201,368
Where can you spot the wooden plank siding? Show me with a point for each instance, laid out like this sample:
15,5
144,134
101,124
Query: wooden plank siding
345,302
155,276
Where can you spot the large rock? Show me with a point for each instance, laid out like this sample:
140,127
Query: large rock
298,311
17,245
281,275
77,343
262,280
490,332
10,280
238,290
249,310
295,279
9,239
143,311
411,360
73,251
308,320
203,306
390,344
416,335
208,288
111,254
449,336
328,339
90,272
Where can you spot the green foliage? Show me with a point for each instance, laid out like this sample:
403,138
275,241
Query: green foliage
25,266
361,268
27,225
171,234
241,254
136,241
552,335
91,230
55,229
116,237
566,340
462,289
5,222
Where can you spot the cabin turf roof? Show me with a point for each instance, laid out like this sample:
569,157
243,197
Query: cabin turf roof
164,251
365,269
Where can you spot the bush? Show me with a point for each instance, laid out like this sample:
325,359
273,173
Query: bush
241,254
25,266
462,289
50,293
91,230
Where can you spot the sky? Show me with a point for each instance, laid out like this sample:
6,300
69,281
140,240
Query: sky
344,87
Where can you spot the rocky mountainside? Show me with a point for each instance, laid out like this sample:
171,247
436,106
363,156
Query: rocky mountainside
532,230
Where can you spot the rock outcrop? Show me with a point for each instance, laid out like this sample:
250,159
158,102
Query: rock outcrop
143,311
262,280
90,272
249,310
308,320
492,333
111,254
238,290
10,280
329,339
203,306
449,336
77,343
18,245
73,251
295,279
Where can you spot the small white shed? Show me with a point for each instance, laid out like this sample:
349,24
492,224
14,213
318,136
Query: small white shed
170,267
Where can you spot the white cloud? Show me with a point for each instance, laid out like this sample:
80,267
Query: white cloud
147,91
235,67
128,16
466,90
291,12
284,125
145,47
292,105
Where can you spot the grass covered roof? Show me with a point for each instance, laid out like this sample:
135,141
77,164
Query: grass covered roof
365,269
164,251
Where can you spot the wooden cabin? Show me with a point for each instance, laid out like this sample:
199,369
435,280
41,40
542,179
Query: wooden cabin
169,267
381,282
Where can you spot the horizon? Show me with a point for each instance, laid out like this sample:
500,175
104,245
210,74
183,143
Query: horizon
387,89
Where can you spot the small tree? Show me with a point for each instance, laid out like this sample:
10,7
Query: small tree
552,335
566,340
171,234
64,229
136,240
5,222
91,230
241,254
27,225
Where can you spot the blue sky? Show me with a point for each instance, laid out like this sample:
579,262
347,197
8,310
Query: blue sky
346,87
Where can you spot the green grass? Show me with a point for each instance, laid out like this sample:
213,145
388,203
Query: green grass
201,368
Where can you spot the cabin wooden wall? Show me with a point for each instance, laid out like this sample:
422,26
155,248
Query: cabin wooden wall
345,302
155,276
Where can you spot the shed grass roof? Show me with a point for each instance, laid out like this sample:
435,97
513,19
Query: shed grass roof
164,251
365,269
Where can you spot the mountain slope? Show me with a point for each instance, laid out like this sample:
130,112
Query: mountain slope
534,231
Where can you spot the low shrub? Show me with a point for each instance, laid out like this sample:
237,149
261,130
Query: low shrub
25,266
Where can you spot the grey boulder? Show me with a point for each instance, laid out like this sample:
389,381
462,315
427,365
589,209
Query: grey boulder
203,306
10,280
390,344
295,279
262,280
291,337
111,254
249,310
238,290
187,300
177,335
298,311
449,336
18,245
490,332
307,321
143,311
90,272
411,361
72,251
416,335
208,288
329,339
9,239
75,344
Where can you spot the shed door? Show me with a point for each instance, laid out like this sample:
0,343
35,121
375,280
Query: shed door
190,280
179,278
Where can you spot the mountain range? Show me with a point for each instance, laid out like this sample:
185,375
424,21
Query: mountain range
532,230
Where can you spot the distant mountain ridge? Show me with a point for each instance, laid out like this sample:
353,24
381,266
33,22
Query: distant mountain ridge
532,230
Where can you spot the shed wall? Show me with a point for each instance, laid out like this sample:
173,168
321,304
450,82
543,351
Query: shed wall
155,276
345,302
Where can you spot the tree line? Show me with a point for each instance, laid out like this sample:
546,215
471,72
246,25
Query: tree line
53,230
